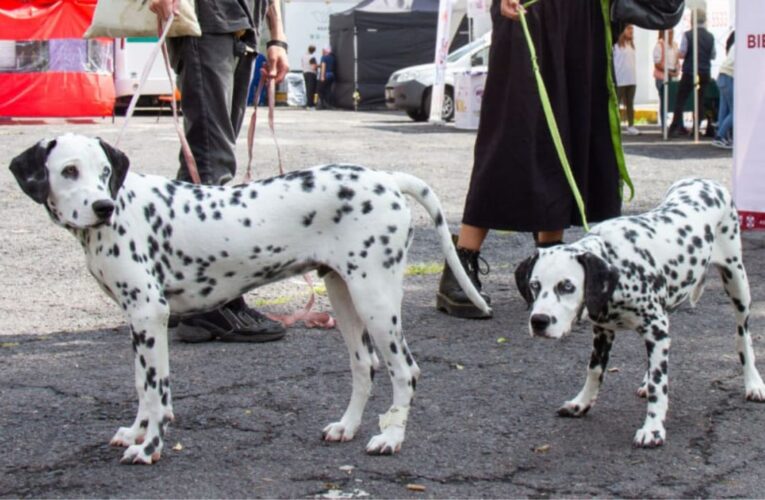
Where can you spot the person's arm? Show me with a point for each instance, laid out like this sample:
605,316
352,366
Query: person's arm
323,70
277,64
683,48
657,53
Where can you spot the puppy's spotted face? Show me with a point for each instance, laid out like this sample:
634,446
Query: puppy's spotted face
78,174
75,177
556,288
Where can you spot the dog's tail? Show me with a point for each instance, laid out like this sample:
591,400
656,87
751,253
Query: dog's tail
420,191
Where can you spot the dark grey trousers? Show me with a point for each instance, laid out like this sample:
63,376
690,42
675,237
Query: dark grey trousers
213,77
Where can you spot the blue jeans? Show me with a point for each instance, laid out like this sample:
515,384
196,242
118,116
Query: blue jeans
725,116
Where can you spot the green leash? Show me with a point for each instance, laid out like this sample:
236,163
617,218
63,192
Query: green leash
553,125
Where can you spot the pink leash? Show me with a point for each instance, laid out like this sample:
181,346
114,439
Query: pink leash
191,164
310,319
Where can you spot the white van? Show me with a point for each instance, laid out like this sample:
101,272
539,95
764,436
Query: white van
130,56
409,89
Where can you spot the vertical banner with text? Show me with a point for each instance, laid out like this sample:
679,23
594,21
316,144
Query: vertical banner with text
442,50
749,114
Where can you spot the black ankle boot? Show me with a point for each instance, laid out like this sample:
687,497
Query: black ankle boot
451,299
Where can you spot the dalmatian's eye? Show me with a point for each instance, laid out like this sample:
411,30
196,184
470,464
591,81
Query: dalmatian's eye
70,172
534,286
105,174
565,286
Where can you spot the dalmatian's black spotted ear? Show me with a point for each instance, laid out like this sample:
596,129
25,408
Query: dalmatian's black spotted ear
522,275
31,172
600,281
120,164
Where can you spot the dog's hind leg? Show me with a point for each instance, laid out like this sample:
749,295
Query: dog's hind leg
381,313
657,343
727,257
363,359
642,390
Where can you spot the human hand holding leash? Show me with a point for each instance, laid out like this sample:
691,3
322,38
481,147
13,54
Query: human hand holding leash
163,8
277,65
511,9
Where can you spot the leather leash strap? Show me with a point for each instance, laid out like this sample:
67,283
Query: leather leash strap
164,28
310,318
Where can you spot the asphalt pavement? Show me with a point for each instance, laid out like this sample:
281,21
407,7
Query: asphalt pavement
249,417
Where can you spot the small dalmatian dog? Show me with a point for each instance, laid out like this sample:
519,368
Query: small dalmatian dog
630,273
158,246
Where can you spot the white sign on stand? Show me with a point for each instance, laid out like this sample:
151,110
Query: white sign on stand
468,95
749,114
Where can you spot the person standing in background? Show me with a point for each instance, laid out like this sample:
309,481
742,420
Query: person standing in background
257,74
308,65
665,56
724,137
706,44
326,78
626,75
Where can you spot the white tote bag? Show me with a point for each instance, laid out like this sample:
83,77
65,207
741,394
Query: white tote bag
132,18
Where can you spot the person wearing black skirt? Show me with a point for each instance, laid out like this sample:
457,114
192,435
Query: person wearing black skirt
518,182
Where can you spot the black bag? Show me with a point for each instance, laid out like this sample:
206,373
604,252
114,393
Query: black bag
648,14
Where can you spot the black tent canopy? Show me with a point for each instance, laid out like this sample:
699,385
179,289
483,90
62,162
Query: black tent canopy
377,37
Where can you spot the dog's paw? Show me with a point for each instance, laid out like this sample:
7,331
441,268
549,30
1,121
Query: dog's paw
338,432
649,437
143,454
571,409
386,443
756,393
128,436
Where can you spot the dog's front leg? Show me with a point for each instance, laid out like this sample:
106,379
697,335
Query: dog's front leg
657,342
601,347
149,331
128,436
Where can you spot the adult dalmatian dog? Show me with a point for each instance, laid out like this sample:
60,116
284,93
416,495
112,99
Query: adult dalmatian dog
630,273
158,246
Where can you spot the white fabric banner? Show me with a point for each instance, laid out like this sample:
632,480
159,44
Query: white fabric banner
749,114
442,50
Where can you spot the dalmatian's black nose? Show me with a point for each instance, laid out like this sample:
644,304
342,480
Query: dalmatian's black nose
103,209
540,322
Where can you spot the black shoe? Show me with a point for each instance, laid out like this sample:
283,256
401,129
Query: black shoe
451,299
234,322
677,131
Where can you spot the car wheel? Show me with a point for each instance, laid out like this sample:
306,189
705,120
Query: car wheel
417,115
447,112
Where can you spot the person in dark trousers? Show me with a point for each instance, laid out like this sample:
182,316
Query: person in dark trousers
213,76
326,78
706,44
517,182
308,64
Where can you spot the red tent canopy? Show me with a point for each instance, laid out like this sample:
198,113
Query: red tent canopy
48,68
44,19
